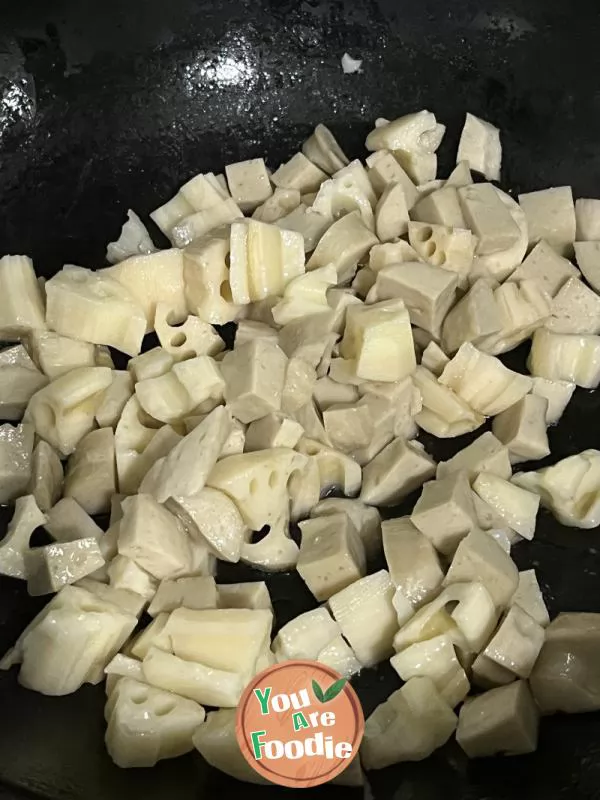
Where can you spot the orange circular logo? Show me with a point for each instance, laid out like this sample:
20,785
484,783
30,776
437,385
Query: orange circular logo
299,723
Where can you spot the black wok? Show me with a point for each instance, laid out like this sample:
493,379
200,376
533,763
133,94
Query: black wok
106,106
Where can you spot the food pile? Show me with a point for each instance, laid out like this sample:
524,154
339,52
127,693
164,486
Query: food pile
371,301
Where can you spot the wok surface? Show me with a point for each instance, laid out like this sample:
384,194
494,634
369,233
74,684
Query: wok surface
113,105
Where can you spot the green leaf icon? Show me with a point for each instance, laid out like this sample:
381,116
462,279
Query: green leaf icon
330,693
318,692
334,690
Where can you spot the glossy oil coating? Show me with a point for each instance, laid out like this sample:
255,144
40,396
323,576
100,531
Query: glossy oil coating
106,106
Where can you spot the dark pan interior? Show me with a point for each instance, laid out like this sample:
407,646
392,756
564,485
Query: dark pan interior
105,106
